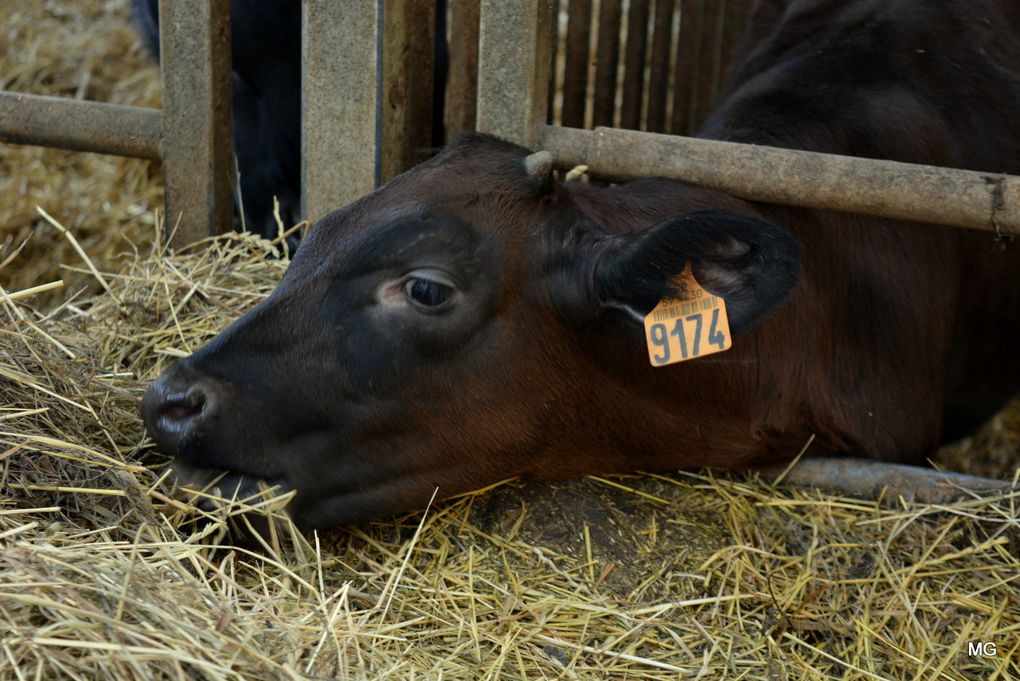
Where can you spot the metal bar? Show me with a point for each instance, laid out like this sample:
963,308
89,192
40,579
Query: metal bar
462,86
889,189
197,125
607,57
633,65
688,67
866,479
81,126
514,57
408,48
711,50
575,81
340,79
553,29
658,70
734,28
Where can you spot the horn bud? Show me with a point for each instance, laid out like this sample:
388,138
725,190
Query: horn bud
539,164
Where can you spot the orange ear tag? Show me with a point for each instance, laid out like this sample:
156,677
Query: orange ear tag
691,325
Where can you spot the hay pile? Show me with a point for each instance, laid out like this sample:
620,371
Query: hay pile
102,574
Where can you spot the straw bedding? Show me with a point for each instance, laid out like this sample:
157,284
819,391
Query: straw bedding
103,573
641,577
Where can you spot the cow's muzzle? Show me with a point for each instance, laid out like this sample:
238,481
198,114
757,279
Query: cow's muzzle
176,405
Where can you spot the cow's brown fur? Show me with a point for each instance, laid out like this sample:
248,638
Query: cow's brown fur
898,337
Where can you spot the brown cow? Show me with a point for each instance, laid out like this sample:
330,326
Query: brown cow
476,319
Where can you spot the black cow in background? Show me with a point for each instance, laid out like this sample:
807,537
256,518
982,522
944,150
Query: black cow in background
266,53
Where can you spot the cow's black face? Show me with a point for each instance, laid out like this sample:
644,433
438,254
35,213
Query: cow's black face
438,334
379,370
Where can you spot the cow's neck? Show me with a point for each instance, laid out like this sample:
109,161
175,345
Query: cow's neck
726,404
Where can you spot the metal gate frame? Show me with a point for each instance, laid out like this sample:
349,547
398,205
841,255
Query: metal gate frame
191,135
516,39
366,115
366,108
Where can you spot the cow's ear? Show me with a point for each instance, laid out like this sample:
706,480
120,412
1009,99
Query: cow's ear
750,263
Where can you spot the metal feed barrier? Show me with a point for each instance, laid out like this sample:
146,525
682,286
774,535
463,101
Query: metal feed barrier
191,134
366,107
515,42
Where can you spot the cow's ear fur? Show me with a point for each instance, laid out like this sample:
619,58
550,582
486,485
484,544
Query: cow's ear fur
750,263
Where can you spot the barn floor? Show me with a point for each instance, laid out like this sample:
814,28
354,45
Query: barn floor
697,574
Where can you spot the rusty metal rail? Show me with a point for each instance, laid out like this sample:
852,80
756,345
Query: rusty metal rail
902,191
80,126
891,482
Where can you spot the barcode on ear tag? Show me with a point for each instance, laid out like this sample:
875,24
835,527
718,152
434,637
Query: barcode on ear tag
691,325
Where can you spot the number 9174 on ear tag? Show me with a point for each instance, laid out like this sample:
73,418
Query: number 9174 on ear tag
690,325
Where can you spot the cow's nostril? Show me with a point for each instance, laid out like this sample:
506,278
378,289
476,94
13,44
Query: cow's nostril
176,404
175,410
183,407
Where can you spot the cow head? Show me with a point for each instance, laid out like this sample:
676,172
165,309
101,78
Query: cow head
468,322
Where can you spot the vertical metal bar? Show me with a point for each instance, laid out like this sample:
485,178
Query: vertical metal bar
462,86
575,81
688,62
734,27
634,65
514,57
554,47
708,73
658,90
607,56
406,105
197,127
340,78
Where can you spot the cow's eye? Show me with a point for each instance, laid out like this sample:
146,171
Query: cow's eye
427,292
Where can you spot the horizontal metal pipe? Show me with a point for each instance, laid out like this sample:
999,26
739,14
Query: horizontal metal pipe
80,125
867,479
901,191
